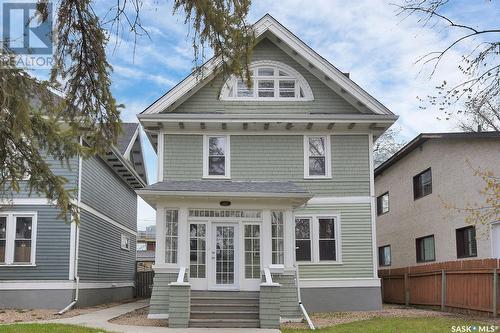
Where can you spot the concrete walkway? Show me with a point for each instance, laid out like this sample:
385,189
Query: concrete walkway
99,319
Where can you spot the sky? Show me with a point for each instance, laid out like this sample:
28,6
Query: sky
365,38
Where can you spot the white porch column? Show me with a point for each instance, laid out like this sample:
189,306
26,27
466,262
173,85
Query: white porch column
266,238
289,233
183,245
160,236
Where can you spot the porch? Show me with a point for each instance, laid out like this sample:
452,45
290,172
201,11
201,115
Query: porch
218,249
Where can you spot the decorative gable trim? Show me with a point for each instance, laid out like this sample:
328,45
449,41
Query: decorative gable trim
268,23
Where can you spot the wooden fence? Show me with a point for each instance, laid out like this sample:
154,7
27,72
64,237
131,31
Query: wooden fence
144,283
464,285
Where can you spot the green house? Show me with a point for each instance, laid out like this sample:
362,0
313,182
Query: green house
265,195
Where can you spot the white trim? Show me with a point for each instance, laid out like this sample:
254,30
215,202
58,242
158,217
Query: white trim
126,154
227,157
52,285
26,201
268,23
223,194
373,208
326,201
107,219
158,316
160,151
10,238
340,283
328,157
294,75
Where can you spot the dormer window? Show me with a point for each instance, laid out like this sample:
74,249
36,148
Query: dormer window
272,81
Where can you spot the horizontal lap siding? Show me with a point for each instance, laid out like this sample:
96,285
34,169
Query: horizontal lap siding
105,191
52,247
325,99
356,244
100,254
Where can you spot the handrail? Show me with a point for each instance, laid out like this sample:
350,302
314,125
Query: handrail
180,277
267,273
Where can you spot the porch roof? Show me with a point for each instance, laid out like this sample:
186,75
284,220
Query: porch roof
225,188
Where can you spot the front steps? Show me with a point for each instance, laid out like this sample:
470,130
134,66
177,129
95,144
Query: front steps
224,309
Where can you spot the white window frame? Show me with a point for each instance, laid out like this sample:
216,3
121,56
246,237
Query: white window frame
164,236
328,158
11,237
227,157
314,227
231,85
125,239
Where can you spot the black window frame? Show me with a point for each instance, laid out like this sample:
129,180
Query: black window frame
418,246
380,206
381,257
418,187
462,243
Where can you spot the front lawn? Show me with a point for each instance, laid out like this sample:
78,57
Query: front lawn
47,328
396,325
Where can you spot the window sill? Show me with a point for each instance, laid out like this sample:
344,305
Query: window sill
17,265
318,177
216,177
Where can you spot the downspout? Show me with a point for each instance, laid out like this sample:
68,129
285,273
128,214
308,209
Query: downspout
302,308
76,278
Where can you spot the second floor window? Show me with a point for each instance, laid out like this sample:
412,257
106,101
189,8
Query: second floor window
466,242
425,249
383,203
216,157
317,163
422,184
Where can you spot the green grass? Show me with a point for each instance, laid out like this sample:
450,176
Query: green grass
47,328
393,325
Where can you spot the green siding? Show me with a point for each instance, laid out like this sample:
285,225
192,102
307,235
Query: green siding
277,157
356,236
206,100
160,295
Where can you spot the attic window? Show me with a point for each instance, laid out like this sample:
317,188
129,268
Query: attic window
272,81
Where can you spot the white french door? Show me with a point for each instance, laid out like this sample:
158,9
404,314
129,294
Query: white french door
224,256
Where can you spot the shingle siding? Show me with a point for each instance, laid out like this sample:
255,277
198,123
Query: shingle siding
206,100
100,254
105,191
277,158
52,247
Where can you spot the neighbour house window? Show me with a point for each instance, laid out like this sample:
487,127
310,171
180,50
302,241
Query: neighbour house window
252,251
17,238
383,204
317,162
277,236
216,159
422,184
171,235
466,242
197,248
384,255
327,239
270,81
425,249
303,239
125,242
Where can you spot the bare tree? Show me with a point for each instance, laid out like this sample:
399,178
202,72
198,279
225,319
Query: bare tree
386,146
482,115
479,63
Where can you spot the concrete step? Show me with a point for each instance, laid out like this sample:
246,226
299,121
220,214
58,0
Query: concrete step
233,323
215,314
225,307
223,300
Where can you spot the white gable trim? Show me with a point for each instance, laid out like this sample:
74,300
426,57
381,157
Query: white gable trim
268,23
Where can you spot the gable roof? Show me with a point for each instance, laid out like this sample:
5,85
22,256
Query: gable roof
423,137
293,45
129,130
